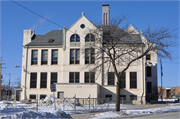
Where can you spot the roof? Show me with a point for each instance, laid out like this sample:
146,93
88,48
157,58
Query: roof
43,40
127,39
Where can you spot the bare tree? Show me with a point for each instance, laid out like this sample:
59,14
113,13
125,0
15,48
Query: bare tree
116,49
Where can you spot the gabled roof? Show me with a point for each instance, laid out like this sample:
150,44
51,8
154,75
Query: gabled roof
127,39
43,40
79,19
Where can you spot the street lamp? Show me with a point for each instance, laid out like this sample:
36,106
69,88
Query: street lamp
17,66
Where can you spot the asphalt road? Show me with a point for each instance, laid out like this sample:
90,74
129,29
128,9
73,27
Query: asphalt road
170,115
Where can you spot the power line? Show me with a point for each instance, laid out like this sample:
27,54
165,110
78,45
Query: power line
40,16
36,13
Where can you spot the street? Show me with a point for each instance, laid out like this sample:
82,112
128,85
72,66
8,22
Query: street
171,115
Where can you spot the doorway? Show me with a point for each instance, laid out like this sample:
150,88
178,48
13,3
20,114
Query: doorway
60,94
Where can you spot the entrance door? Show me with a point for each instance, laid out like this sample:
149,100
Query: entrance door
60,94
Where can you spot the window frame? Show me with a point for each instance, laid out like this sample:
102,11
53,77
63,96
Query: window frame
124,74
109,96
32,61
74,77
75,54
42,97
133,97
33,80
90,37
91,58
148,71
90,75
75,39
31,96
42,84
109,79
148,58
124,97
133,80
52,61
44,62
53,80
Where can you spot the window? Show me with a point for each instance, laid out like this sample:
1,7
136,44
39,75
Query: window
43,80
54,57
75,38
89,56
42,96
53,78
73,77
111,78
123,80
44,56
74,56
34,57
122,97
33,80
82,26
148,57
149,87
109,96
89,77
148,71
133,80
89,38
133,97
32,96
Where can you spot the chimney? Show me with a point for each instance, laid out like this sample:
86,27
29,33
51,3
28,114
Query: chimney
105,14
27,36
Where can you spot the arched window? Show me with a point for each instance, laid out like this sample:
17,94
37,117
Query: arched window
75,38
89,38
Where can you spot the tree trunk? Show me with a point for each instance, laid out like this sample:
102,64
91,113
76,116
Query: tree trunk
117,96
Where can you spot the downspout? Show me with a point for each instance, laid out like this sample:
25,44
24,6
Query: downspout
142,77
64,39
101,34
26,72
143,71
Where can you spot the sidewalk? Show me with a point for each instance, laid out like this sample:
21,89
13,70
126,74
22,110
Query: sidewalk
129,107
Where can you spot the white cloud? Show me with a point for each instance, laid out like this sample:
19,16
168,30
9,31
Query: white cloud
39,23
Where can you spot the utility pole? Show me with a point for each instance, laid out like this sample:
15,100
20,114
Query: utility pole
9,84
18,82
161,82
1,77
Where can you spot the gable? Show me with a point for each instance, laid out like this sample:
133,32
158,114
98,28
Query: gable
76,27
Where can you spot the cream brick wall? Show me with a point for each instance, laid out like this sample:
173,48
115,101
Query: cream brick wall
64,67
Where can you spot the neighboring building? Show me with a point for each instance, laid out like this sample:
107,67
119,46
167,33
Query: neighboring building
55,58
169,92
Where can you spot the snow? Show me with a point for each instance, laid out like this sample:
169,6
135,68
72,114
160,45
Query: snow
10,110
124,113
168,99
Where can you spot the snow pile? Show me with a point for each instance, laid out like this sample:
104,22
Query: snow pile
168,100
136,112
31,115
49,99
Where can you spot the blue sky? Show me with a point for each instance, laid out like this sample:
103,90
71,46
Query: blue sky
15,19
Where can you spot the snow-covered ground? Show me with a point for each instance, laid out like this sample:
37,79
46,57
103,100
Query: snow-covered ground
10,110
123,113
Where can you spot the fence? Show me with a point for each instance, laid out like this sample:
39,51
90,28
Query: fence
12,108
85,104
7,97
68,105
